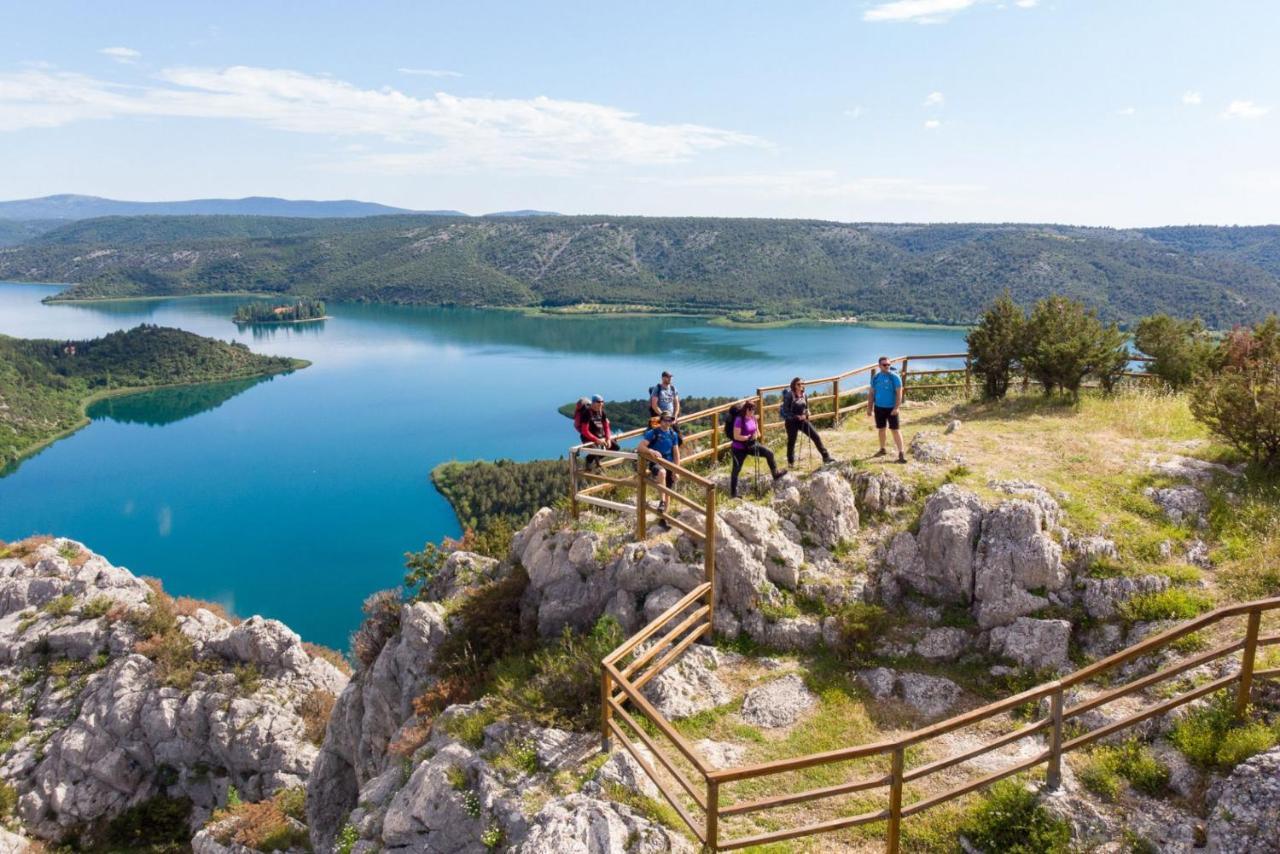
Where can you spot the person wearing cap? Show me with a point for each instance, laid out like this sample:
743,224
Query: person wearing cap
663,397
662,442
593,427
886,398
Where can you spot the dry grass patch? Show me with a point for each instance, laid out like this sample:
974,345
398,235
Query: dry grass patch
332,656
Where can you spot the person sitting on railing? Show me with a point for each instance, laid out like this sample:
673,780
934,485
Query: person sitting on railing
746,435
593,427
663,397
886,397
662,442
795,416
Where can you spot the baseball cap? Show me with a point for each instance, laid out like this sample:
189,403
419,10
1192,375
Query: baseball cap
667,416
595,398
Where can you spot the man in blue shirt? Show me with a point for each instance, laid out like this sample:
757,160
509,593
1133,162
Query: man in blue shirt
886,397
662,441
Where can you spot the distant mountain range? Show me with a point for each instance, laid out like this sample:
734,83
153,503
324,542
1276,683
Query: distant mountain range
751,269
70,207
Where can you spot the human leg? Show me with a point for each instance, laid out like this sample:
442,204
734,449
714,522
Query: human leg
793,427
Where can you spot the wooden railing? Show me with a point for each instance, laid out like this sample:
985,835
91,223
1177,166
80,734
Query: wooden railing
707,804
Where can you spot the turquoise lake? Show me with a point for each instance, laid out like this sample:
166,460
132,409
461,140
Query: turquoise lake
297,496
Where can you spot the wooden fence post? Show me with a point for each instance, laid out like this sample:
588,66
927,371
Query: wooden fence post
903,377
1244,694
835,400
760,412
606,713
895,801
642,508
573,484
715,440
1054,773
713,815
968,378
709,549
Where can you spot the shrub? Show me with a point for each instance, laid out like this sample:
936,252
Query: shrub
315,710
995,345
485,627
1241,401
560,687
1211,735
1065,342
332,656
185,606
1132,761
8,800
60,606
1181,349
382,620
157,826
347,839
97,607
860,626
1172,603
1010,820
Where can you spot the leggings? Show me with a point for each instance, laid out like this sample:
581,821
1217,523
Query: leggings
795,426
740,456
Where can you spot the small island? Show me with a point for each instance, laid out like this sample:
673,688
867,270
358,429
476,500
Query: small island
300,311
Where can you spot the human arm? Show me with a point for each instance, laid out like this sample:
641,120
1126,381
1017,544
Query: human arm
898,400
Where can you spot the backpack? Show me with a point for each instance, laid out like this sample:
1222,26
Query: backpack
729,418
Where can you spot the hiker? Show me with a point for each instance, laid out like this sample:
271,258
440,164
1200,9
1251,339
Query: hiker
593,427
745,434
886,398
663,397
663,442
795,415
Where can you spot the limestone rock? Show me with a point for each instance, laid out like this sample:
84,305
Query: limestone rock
1090,550
1015,554
688,686
943,644
1181,504
621,769
1246,808
952,426
926,449
719,754
659,601
832,512
1104,596
879,681
1189,468
880,491
931,696
461,571
578,824
939,561
778,703
1034,644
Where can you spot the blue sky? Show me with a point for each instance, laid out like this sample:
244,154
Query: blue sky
1098,112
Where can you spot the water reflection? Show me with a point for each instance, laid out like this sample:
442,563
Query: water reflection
168,405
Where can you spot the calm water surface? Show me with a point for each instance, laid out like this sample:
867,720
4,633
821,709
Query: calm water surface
296,496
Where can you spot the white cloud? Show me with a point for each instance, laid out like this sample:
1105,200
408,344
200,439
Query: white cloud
1025,4
1191,98
934,99
127,55
441,131
932,124
854,112
919,11
1126,111
430,72
1245,110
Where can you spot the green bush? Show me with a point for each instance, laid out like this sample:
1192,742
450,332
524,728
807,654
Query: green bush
485,627
1065,342
347,839
8,800
60,606
995,345
1133,761
1181,349
1211,735
1010,820
1240,402
96,607
157,826
1172,603
860,626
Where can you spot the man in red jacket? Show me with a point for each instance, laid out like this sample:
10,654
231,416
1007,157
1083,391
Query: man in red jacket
593,426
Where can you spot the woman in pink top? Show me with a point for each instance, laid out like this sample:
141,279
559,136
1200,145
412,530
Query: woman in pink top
746,432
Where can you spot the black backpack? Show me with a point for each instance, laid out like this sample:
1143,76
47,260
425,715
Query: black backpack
729,418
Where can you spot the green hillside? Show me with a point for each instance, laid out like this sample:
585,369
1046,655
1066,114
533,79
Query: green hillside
45,385
937,273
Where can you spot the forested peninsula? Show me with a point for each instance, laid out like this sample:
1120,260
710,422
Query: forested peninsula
45,385
748,269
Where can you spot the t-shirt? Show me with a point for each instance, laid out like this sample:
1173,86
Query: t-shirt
886,384
666,395
596,421
662,442
745,426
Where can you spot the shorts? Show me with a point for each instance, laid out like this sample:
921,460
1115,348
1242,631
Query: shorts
886,416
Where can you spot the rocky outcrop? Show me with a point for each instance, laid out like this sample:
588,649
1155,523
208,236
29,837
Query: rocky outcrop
126,696
579,824
1103,597
1183,505
938,561
931,697
1246,808
878,492
690,685
1034,644
778,703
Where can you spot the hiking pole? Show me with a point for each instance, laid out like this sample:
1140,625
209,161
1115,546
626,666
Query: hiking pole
755,452
808,449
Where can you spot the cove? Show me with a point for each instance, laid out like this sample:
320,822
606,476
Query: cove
296,496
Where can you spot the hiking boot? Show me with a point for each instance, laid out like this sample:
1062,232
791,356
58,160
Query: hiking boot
828,460
779,474
880,453
901,459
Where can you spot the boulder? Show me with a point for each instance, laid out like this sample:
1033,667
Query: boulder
938,562
1104,596
1015,554
931,696
943,644
832,513
1034,644
778,703
1183,505
579,824
657,602
1246,808
879,492
926,448
1089,551
1189,468
688,686
620,769
761,528
879,681
719,754
461,570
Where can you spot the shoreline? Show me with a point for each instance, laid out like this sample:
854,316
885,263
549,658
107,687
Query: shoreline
31,450
279,322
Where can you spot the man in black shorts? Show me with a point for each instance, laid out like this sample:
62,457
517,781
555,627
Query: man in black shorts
886,398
